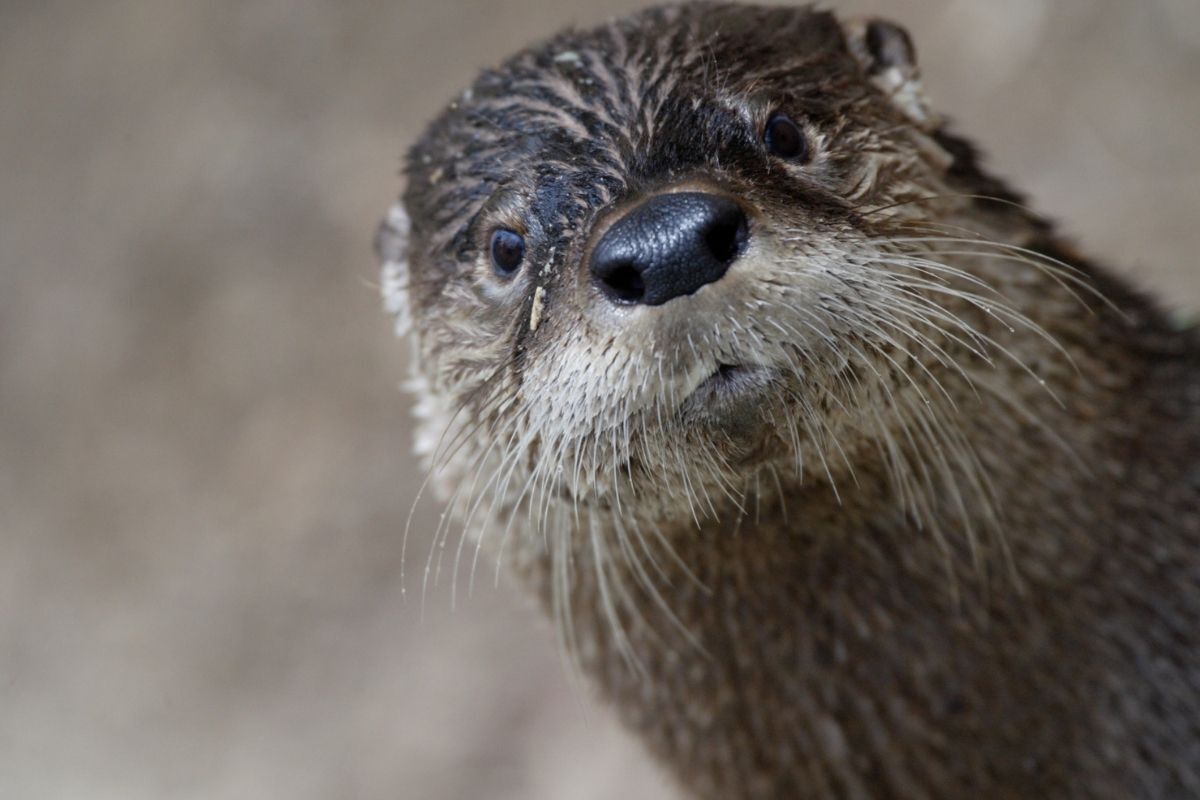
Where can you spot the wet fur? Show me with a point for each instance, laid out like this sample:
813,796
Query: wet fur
953,547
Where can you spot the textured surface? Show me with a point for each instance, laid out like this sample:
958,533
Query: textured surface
205,475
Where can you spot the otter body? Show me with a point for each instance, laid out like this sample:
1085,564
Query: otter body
842,475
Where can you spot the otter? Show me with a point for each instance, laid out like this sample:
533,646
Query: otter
840,471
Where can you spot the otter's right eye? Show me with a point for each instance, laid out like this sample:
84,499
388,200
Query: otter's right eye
508,251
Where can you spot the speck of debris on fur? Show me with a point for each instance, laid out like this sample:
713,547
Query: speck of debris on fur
567,57
535,313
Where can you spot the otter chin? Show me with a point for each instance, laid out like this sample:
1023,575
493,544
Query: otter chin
839,471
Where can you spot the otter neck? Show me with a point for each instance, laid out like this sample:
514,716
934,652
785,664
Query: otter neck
774,637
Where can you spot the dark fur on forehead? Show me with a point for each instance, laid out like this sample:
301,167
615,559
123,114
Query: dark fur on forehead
586,116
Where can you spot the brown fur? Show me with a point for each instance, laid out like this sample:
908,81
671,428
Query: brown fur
952,551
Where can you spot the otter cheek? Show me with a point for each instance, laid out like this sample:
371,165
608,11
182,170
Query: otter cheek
391,244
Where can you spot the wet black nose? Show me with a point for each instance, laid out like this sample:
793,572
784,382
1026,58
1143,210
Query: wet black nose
669,246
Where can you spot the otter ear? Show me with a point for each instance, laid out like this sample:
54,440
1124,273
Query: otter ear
391,245
886,53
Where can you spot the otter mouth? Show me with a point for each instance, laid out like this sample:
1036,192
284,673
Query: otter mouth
731,388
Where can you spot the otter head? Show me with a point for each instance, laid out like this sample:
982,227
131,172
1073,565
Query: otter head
648,264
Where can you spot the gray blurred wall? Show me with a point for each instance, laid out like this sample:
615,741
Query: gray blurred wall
204,469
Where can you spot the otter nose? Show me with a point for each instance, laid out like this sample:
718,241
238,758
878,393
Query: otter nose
669,246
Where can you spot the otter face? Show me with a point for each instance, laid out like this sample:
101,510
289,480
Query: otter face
652,258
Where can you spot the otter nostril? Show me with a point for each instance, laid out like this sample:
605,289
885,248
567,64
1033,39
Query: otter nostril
623,282
726,237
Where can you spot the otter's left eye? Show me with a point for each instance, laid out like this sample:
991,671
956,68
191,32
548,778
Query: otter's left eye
508,251
784,139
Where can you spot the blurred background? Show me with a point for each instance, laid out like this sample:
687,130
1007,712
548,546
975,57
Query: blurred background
204,456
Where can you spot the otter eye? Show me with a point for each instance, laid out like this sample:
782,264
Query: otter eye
784,139
508,251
